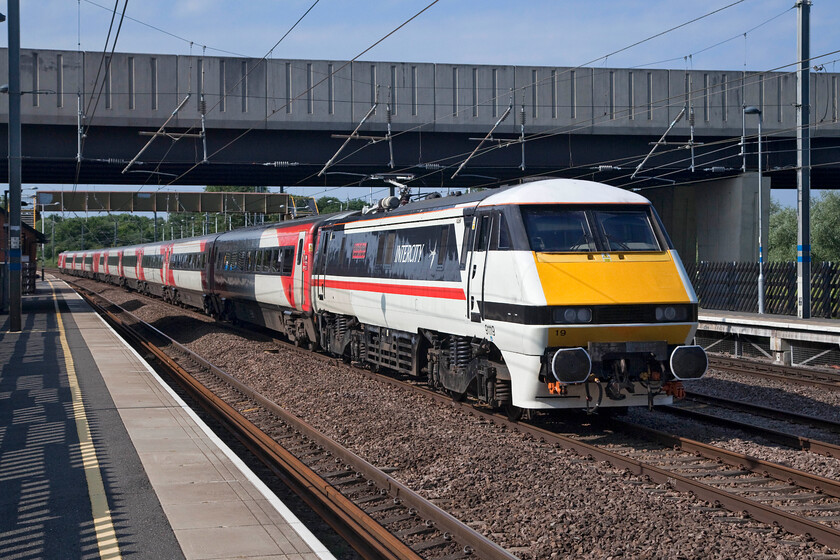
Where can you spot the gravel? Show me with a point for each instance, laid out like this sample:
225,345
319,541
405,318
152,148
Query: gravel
531,498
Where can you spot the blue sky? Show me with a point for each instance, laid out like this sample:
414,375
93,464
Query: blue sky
536,32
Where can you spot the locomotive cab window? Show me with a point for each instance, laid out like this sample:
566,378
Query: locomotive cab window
627,231
553,229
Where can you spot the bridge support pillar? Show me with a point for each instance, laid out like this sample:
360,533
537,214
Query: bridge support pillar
715,220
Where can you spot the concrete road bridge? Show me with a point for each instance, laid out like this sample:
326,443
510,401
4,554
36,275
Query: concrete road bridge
279,122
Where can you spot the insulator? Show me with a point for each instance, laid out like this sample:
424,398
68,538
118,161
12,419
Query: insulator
522,116
430,166
691,117
282,164
388,114
202,107
608,168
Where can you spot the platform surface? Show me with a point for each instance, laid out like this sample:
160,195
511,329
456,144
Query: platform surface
100,459
766,320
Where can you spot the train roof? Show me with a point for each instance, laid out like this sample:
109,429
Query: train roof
546,191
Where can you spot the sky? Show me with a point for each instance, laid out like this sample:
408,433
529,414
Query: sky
755,35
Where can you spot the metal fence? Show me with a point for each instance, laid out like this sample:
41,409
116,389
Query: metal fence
733,286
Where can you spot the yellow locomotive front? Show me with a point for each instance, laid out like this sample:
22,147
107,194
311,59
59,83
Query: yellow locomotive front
609,313
622,310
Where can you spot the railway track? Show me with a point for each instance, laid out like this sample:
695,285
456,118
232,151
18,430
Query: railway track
377,515
769,493
776,372
706,409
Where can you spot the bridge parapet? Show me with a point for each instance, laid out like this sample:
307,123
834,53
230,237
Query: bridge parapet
142,90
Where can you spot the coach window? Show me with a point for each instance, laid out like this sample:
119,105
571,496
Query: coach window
300,251
288,261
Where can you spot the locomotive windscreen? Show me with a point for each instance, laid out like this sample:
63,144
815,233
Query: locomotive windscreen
554,229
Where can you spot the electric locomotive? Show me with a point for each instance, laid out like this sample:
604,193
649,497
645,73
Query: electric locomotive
547,295
553,294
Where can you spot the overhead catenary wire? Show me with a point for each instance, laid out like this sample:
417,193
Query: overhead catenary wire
563,130
365,51
614,52
529,138
604,57
405,23
165,32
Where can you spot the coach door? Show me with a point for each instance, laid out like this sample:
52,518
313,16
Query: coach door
476,265
300,263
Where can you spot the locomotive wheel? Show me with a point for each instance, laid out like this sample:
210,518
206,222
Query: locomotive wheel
513,413
456,396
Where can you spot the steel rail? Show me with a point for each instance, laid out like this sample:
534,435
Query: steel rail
776,436
766,411
375,539
776,372
364,534
777,471
822,533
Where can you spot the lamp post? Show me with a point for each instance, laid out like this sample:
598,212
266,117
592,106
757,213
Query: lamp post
752,110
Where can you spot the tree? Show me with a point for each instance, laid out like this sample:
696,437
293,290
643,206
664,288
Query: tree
782,243
329,204
825,229
232,188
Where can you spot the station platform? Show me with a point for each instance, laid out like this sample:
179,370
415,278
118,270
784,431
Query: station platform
100,459
782,338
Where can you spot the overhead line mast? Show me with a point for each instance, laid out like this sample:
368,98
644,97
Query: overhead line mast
803,160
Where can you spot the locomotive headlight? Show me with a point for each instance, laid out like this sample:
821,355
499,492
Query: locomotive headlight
572,315
671,313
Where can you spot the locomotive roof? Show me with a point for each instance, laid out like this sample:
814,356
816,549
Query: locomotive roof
547,191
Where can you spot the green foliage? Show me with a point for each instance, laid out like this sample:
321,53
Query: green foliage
782,243
330,204
825,230
73,234
233,188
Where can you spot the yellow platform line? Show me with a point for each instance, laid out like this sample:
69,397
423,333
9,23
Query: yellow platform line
106,537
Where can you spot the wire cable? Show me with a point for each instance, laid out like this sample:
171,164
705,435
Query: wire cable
368,49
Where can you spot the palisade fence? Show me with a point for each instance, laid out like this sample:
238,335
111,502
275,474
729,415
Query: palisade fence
733,286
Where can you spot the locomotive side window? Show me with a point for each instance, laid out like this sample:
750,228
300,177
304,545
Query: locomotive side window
468,237
443,246
385,248
502,241
483,234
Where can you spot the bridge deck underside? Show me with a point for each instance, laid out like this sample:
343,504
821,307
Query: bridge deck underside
295,157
